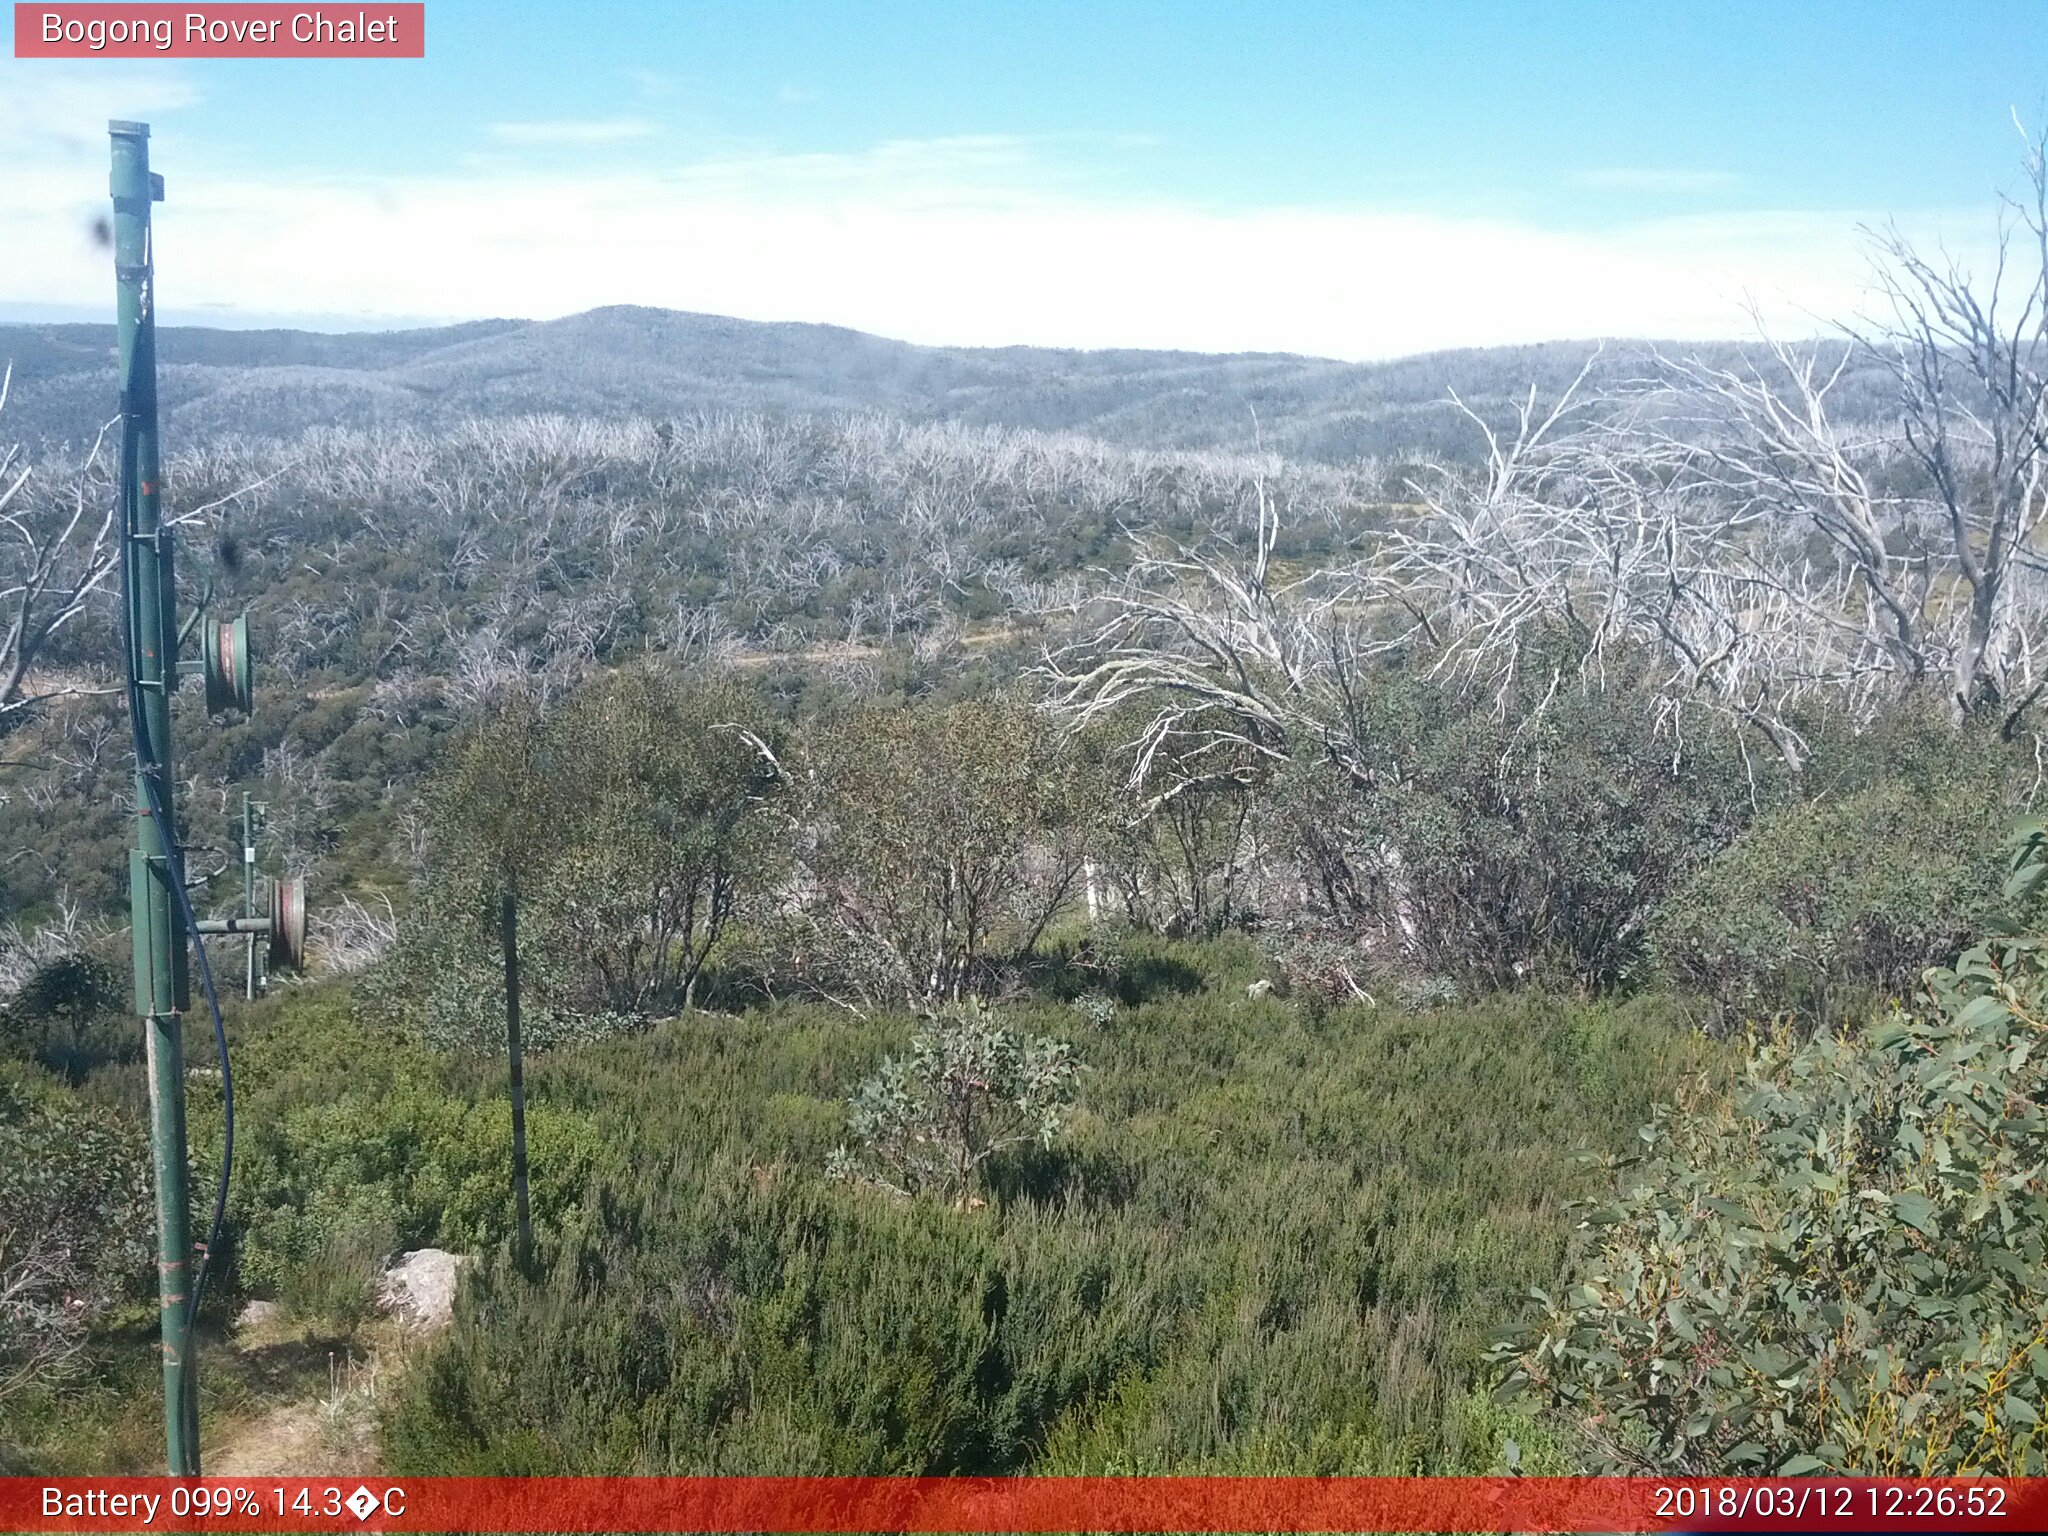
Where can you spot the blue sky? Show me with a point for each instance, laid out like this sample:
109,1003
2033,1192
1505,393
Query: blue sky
1358,179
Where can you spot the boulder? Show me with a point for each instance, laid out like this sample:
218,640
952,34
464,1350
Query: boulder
419,1287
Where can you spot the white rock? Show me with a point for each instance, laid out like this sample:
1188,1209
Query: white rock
420,1286
1259,988
255,1314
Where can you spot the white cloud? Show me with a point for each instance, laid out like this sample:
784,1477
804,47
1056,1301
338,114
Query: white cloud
59,108
53,164
611,130
1656,179
972,240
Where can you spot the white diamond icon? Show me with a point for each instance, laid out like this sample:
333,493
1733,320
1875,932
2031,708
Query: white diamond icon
363,1502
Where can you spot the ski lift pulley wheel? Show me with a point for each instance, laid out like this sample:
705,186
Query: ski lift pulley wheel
229,684
288,924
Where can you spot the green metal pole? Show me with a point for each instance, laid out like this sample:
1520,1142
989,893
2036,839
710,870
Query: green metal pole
160,960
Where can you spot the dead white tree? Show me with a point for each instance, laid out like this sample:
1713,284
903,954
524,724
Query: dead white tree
60,551
56,551
1911,543
1719,522
25,951
1219,662
354,935
1772,549
1607,523
1969,364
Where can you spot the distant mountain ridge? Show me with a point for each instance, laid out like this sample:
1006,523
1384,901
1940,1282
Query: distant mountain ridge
655,362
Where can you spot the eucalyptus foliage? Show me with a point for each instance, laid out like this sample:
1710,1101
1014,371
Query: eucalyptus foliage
969,1087
634,819
1844,1268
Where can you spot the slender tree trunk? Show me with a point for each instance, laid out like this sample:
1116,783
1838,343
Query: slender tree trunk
508,937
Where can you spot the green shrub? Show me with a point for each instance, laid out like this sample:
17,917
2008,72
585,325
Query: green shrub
443,985
1844,1269
944,841
77,1223
968,1088
630,821
346,1133
414,1160
1819,907
71,1015
1178,858
672,797
1502,839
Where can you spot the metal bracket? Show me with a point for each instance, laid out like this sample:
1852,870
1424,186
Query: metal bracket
198,613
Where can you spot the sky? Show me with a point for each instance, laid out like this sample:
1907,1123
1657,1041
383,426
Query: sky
1359,180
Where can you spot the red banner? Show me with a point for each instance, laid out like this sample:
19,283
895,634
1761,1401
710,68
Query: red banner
1020,1504
118,31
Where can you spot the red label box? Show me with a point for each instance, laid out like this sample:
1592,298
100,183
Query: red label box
372,30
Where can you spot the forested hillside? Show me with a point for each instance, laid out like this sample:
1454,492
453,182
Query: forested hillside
655,363
1069,912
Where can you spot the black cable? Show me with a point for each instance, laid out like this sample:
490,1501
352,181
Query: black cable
167,835
227,1077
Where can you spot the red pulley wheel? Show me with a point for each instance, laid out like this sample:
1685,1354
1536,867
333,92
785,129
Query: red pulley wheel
230,683
288,924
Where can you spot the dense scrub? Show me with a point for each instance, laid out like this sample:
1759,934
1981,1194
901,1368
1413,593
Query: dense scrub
1539,836
1271,1236
1275,1231
353,1145
75,1219
1888,860
1273,1239
677,835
